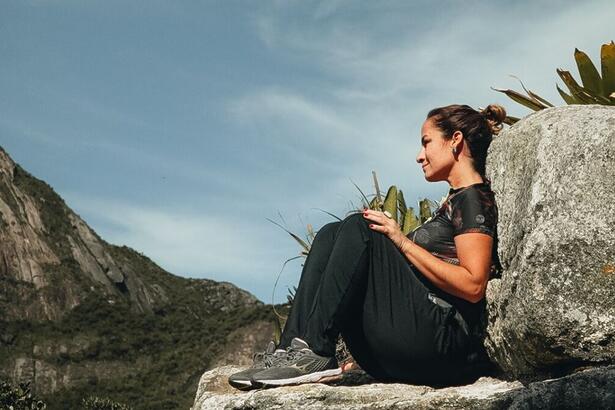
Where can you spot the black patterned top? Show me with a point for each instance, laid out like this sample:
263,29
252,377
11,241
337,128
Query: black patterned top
467,209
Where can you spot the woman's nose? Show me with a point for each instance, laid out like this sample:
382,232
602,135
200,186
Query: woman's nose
420,157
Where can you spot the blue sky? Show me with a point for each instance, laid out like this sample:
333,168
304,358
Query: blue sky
177,128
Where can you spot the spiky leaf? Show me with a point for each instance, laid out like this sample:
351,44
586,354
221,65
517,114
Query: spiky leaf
311,235
589,75
539,98
424,210
410,221
522,99
367,202
580,93
377,187
375,204
569,99
607,59
533,96
306,247
510,120
401,207
390,202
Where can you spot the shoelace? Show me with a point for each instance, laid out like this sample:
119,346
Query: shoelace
291,354
260,358
265,358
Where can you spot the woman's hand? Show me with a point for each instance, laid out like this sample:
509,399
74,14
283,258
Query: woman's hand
384,224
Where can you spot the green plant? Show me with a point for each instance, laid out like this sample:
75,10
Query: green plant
19,398
595,89
97,403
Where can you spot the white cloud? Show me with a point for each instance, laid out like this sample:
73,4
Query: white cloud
389,67
290,108
199,243
470,46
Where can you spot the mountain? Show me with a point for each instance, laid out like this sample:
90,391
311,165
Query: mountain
79,316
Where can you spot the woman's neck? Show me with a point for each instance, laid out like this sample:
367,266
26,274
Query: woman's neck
463,179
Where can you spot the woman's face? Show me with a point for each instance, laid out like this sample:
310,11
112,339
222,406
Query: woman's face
436,157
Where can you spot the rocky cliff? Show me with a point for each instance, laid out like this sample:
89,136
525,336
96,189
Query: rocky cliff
550,325
79,316
50,259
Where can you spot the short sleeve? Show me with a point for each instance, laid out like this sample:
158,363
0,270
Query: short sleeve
474,210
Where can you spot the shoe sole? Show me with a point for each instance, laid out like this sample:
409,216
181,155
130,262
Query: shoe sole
240,384
306,378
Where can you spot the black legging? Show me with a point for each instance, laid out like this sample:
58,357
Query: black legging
356,281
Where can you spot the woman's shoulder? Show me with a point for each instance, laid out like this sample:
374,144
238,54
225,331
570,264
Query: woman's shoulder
473,209
480,193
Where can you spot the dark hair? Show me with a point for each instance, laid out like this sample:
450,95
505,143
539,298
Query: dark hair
477,128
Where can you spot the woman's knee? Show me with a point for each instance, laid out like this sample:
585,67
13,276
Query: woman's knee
325,237
328,229
327,232
357,222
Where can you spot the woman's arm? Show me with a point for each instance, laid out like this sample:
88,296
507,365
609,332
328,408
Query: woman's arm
467,281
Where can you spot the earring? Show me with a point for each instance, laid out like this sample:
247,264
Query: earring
454,150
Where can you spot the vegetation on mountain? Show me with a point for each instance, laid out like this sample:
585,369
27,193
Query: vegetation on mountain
19,397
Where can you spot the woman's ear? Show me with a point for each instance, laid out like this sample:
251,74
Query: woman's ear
457,139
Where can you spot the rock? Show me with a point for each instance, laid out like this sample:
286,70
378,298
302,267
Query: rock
553,175
242,343
23,251
46,377
591,388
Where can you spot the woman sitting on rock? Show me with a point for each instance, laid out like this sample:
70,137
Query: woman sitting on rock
406,306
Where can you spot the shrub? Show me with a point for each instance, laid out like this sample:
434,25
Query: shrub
18,398
97,403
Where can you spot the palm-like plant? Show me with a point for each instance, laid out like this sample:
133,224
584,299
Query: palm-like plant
595,89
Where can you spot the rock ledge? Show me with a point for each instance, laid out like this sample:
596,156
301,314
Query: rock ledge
589,388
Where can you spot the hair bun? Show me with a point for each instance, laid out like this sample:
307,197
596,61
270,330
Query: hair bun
495,115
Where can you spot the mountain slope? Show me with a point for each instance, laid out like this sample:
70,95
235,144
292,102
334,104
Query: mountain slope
79,316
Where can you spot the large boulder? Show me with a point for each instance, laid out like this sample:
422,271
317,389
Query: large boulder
554,177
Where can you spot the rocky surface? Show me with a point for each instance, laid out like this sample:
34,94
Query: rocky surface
553,175
50,377
242,343
590,388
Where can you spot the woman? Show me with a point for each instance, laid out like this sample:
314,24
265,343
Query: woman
406,306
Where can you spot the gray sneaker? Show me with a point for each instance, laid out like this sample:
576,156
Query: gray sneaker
301,365
262,360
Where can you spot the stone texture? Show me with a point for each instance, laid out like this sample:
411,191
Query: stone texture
553,173
591,388
46,377
23,252
242,343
